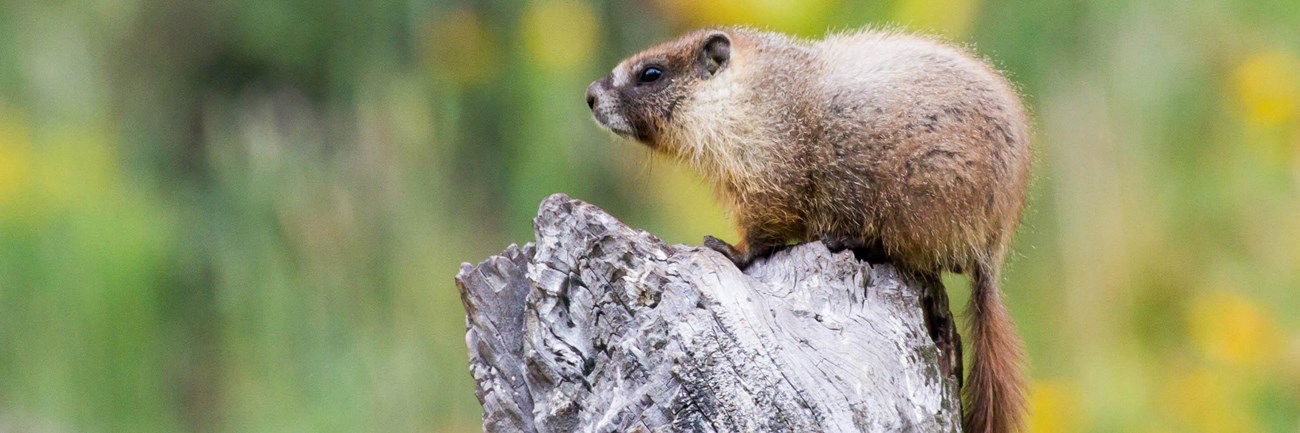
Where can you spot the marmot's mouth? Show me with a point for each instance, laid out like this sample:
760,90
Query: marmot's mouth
621,131
616,123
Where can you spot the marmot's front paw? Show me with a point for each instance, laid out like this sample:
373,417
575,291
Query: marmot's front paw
727,250
838,243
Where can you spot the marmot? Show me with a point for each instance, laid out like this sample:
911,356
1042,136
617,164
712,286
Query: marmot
883,141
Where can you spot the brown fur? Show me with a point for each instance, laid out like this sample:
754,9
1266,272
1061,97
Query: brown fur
869,140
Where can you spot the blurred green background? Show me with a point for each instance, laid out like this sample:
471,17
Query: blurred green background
244,215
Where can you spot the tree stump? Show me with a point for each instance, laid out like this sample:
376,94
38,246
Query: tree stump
599,327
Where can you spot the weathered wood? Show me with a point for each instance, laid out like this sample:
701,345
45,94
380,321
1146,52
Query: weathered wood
600,327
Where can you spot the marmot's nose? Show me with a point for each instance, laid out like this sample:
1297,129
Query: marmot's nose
591,95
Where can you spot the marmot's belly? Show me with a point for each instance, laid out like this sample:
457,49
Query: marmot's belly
921,234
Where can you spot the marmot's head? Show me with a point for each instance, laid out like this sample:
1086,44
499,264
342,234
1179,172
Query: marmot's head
639,98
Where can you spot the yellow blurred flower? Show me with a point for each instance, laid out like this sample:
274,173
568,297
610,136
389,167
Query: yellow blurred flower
459,44
950,17
68,169
15,158
1053,407
1230,328
1266,87
559,34
806,17
1203,400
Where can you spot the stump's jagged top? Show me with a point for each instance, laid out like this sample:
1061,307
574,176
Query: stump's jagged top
601,327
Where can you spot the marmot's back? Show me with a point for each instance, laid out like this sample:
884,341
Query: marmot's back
931,139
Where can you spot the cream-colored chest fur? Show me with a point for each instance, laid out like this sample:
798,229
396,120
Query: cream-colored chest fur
724,132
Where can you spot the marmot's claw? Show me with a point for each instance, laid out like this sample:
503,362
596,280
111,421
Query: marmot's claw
835,244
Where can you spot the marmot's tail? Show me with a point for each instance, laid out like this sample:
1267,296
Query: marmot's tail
995,387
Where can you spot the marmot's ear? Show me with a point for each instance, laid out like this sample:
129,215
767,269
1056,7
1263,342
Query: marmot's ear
715,53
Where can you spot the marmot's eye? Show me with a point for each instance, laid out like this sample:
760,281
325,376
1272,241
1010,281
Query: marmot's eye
650,75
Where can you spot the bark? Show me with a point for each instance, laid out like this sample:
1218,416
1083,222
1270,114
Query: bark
599,327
